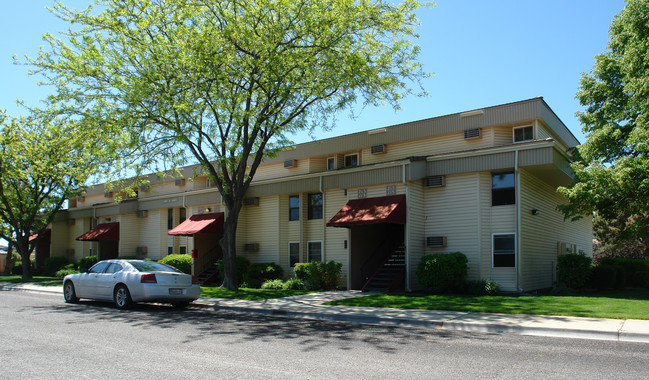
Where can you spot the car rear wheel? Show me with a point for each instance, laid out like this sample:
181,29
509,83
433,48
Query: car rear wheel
179,305
69,293
122,297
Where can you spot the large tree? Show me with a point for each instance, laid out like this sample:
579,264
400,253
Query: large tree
224,82
612,169
44,160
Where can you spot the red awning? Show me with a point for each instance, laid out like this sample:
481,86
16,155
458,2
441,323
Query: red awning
390,209
207,223
46,233
105,231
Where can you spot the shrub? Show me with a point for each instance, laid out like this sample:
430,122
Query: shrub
603,276
86,262
293,284
181,262
442,272
17,270
242,269
52,265
573,270
64,272
629,272
273,284
486,287
259,273
319,276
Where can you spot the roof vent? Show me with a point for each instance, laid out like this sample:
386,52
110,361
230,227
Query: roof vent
435,181
378,149
472,133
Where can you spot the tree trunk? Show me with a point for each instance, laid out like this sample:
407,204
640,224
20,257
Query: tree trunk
9,262
229,247
24,252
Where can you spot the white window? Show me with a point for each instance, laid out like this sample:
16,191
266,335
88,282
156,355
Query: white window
504,250
331,163
314,251
351,160
522,134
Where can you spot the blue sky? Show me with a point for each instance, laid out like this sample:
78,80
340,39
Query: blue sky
482,53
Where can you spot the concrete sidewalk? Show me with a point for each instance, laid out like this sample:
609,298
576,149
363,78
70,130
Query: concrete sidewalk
311,306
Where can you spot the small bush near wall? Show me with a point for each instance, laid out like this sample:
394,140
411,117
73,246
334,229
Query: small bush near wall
573,270
319,276
258,273
180,262
486,287
603,276
293,284
273,284
86,262
242,269
443,272
51,265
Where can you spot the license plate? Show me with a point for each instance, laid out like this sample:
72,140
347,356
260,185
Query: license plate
175,292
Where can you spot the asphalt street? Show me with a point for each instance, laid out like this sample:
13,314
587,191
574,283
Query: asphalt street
44,338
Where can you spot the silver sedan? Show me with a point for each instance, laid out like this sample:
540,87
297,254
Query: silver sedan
128,281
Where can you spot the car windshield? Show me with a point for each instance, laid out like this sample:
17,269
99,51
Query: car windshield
152,266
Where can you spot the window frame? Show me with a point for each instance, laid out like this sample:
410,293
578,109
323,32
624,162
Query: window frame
308,250
493,249
291,217
531,127
315,212
352,155
181,249
182,215
503,190
331,160
170,218
291,264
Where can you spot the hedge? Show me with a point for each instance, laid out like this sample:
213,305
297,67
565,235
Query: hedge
573,270
443,272
181,262
319,276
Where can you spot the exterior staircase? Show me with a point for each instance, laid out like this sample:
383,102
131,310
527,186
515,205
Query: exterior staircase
209,275
391,274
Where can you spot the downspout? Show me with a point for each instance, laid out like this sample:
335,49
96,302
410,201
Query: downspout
407,231
324,224
518,221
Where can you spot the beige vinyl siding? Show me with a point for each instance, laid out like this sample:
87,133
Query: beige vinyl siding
542,132
317,164
494,220
334,242
129,234
375,191
260,224
278,170
540,233
152,228
452,211
60,239
503,135
415,231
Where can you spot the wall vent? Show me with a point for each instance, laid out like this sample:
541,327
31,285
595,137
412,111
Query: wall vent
142,250
71,222
145,188
251,247
180,182
69,252
290,164
108,194
436,241
472,133
378,149
435,181
251,201
142,213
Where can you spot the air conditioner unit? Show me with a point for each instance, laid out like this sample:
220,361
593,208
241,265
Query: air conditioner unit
472,133
251,201
436,241
141,250
290,164
378,149
180,182
435,181
145,188
142,213
108,194
70,222
251,247
81,198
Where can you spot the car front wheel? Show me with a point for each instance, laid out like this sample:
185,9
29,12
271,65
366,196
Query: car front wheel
69,293
122,297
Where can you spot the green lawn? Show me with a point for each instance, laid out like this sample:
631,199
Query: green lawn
39,280
628,304
248,294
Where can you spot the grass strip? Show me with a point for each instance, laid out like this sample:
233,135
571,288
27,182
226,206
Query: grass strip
630,304
249,294
40,280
